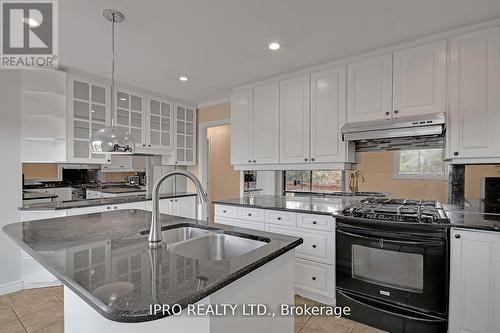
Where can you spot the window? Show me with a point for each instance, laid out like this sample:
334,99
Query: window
420,164
312,181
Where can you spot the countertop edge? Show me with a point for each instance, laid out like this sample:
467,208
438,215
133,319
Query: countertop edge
123,317
217,202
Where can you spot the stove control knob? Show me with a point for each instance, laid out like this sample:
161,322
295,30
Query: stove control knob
457,236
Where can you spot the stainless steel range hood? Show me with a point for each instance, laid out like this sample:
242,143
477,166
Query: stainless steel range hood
415,132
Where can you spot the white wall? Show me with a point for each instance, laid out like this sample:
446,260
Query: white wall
10,169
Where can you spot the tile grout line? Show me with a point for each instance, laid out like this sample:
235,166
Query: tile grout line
15,314
303,325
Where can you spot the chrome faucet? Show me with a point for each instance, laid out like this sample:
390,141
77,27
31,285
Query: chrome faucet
155,229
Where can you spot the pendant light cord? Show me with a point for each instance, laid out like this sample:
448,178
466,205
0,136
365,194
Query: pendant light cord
113,70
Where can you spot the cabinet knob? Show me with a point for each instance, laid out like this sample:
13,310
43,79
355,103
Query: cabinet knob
254,161
312,159
249,161
279,218
249,214
143,145
457,236
314,278
396,111
314,246
387,113
149,145
315,222
224,211
455,153
305,159
116,207
109,207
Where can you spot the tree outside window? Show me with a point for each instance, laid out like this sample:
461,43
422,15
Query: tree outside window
313,181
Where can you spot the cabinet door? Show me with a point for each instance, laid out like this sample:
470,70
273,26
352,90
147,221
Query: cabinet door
474,116
266,126
242,127
328,115
88,112
369,90
160,124
294,120
186,207
129,114
474,282
420,80
185,117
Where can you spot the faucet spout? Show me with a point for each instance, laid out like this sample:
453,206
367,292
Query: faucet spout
155,238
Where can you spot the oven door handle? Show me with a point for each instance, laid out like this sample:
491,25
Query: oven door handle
425,243
429,320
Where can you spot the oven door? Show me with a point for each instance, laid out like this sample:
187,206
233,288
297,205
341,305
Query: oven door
407,269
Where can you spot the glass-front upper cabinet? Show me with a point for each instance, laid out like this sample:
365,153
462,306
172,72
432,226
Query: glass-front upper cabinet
130,114
185,118
160,124
88,112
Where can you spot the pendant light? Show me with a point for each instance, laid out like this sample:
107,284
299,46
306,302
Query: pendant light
112,139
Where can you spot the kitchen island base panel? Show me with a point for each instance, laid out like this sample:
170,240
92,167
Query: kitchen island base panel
270,284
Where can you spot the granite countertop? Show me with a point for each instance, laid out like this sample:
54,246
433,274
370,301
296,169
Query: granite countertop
98,202
310,205
473,216
119,281
30,195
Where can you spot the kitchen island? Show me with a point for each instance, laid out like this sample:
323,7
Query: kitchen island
112,279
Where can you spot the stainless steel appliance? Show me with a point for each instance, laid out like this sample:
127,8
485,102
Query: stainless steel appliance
392,264
412,132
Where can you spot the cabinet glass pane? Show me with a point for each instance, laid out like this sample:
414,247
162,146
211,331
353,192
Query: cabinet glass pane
98,95
180,141
136,103
189,115
154,137
154,123
189,155
81,110
81,90
180,154
122,117
81,130
122,100
165,139
155,107
97,126
137,135
165,124
181,113
81,149
189,142
181,127
135,119
189,128
98,113
165,109
98,255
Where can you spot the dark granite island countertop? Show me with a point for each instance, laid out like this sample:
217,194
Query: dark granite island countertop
311,205
475,214
104,258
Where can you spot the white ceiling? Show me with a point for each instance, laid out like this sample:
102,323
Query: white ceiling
220,44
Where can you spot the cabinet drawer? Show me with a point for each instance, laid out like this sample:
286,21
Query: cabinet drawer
281,218
316,222
240,223
314,277
252,214
317,245
226,211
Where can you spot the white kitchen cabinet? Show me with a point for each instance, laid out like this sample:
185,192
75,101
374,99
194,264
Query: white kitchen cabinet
474,116
186,207
160,125
419,80
119,163
328,115
242,127
185,135
294,120
130,114
266,124
369,90
88,112
474,281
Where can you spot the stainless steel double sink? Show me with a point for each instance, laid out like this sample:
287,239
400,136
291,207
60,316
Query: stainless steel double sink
205,244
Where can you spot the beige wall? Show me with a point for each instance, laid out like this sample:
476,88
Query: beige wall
473,175
378,170
40,171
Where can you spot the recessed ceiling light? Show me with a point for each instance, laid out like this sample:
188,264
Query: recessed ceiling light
274,46
183,78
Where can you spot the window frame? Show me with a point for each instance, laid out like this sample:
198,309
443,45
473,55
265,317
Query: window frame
397,175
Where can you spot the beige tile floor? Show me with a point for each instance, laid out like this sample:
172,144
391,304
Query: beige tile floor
41,311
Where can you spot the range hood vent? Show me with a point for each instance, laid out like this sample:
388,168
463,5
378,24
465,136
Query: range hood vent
415,132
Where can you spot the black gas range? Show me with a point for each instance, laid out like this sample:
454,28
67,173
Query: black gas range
392,259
